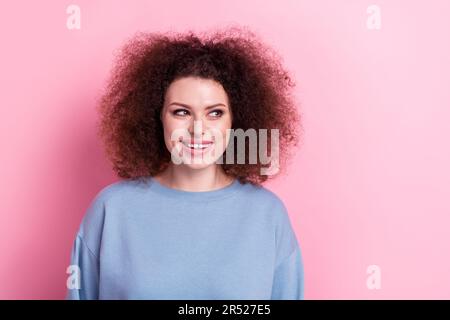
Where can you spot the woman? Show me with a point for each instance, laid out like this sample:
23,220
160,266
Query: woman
186,222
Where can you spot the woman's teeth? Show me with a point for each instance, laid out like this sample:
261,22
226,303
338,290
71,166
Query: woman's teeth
197,145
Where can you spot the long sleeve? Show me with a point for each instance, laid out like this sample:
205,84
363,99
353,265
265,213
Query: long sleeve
288,279
84,269
82,283
288,283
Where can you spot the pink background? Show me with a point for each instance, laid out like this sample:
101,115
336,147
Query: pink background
369,186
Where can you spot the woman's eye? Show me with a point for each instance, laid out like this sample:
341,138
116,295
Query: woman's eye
179,112
217,112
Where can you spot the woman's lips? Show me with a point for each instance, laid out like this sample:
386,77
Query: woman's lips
198,142
197,148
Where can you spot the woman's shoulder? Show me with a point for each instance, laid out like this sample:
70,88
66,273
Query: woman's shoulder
275,207
117,189
263,197
262,193
110,195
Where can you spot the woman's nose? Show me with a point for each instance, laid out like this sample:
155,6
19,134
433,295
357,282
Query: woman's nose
197,128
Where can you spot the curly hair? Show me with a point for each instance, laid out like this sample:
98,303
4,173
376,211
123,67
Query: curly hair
257,85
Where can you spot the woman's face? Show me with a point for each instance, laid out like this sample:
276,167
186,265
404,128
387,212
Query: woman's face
195,117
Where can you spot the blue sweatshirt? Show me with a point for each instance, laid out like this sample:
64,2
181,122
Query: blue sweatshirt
144,240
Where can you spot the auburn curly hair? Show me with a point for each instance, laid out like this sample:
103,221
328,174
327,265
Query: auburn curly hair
257,85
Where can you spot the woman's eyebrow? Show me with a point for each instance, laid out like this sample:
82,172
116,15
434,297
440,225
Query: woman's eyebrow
187,106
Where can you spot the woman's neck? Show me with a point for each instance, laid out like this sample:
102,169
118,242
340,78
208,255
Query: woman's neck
184,178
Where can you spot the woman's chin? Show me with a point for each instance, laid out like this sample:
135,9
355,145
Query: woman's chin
198,163
197,166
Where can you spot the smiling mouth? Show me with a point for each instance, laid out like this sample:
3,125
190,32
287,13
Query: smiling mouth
197,146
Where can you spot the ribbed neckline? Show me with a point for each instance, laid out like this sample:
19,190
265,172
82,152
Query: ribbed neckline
221,193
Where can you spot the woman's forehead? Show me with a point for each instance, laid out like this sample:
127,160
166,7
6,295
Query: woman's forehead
196,92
